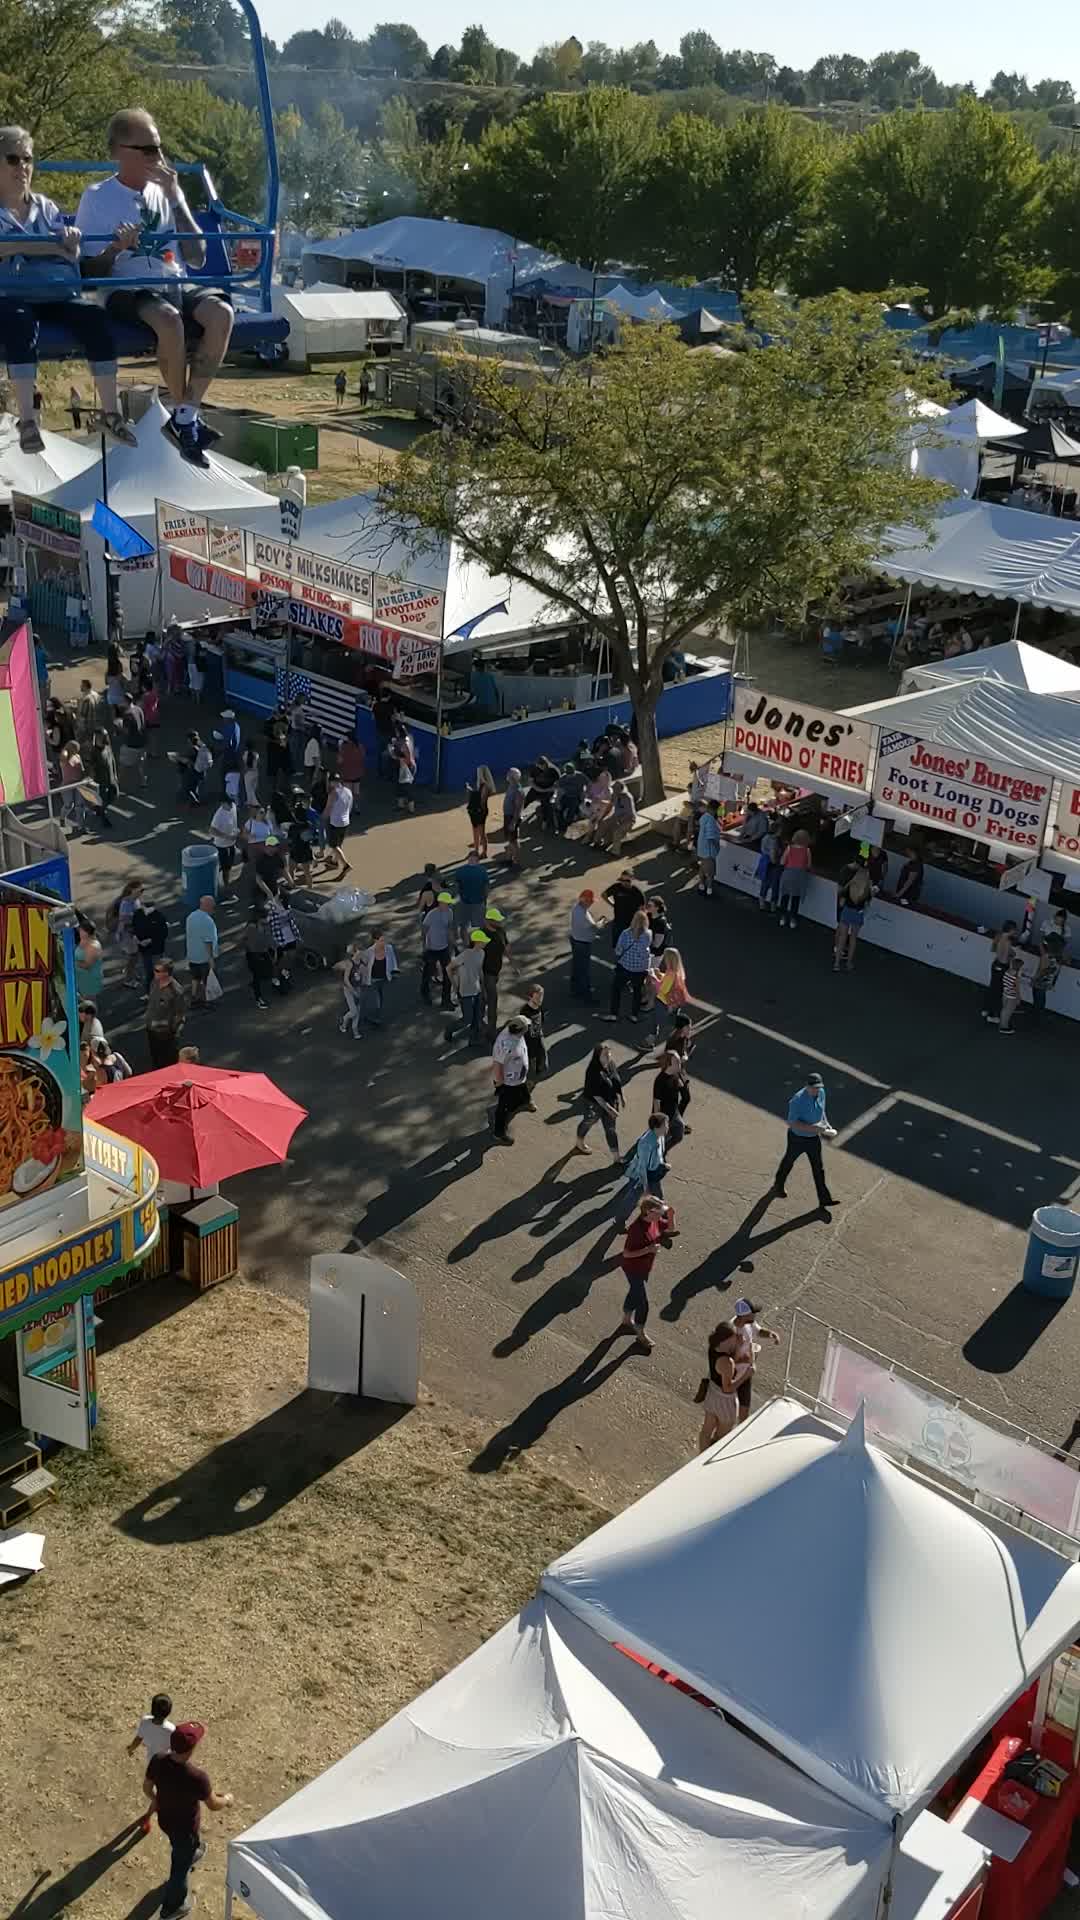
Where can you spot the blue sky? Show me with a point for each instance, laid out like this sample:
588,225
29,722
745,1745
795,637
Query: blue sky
961,43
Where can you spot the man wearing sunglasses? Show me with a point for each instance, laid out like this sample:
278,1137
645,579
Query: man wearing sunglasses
192,327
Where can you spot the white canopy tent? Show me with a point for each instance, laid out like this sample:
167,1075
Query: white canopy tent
550,1775
327,320
859,1620
1014,664
974,420
1006,723
475,600
38,474
999,552
152,470
445,249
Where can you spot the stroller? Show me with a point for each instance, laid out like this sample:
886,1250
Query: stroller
327,927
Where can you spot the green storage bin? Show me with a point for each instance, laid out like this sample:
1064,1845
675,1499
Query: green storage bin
275,445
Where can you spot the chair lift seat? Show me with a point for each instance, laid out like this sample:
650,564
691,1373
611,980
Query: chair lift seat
250,330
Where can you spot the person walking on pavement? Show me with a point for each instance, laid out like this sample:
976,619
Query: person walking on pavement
749,1334
151,932
532,1012
603,1097
583,931
337,814
225,834
646,1167
472,885
652,1228
708,846
478,798
88,708
1001,946
625,898
718,1393
510,1068
182,1790
467,973
437,933
632,958
513,808
101,762
258,952
794,878
495,954
201,943
808,1126
340,384
166,1006
668,1088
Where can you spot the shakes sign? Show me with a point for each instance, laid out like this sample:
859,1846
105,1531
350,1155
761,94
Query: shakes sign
803,746
946,787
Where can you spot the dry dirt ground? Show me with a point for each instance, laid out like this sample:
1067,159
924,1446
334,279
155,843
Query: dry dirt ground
292,1570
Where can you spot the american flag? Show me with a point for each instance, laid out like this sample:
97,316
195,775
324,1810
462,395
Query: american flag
333,706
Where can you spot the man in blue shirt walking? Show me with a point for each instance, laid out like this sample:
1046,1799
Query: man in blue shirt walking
472,886
807,1128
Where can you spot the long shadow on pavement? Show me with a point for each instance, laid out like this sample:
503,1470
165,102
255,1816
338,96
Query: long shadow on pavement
1008,1334
250,1477
564,1295
718,1268
416,1186
545,1199
533,1421
48,1901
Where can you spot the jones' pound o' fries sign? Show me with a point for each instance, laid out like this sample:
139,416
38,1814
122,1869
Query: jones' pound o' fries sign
41,1139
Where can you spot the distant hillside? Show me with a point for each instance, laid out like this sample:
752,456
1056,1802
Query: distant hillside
357,97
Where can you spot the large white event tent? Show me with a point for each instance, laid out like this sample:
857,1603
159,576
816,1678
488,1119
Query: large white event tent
38,474
1005,723
1013,664
998,552
550,1775
154,469
444,249
859,1620
476,602
327,320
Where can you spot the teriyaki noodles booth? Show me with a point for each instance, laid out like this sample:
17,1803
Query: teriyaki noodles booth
485,671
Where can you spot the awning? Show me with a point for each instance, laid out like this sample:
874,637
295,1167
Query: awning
997,552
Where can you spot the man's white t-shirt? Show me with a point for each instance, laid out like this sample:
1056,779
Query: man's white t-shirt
108,205
340,806
512,1055
155,1735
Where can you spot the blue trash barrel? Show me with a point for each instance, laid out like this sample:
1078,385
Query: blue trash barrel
1053,1253
198,873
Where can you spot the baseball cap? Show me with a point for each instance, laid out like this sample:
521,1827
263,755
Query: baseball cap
587,896
479,938
445,899
745,1307
494,914
186,1736
814,1080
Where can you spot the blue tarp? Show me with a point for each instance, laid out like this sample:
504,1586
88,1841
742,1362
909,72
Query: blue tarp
118,533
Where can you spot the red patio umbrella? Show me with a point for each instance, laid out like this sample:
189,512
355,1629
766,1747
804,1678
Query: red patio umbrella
201,1124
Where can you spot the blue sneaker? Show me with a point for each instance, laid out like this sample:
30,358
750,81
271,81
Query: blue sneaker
187,439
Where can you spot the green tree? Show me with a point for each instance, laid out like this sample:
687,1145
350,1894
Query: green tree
699,56
306,49
63,65
321,160
568,62
477,58
395,47
506,66
408,174
567,172
672,493
1060,234
736,202
224,135
944,201
212,31
442,62
596,64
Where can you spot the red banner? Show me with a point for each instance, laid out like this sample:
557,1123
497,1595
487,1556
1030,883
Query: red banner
203,578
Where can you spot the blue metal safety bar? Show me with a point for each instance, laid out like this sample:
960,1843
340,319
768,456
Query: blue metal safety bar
220,226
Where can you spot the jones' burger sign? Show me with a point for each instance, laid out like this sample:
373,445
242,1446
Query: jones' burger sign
1005,806
800,744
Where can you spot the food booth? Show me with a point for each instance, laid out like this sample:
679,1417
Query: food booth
998,836
672,1725
78,1206
485,671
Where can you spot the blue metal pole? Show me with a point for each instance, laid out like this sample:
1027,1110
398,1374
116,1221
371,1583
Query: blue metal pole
266,116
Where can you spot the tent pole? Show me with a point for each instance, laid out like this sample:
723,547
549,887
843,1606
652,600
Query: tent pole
885,1902
1016,622
903,626
438,721
228,1901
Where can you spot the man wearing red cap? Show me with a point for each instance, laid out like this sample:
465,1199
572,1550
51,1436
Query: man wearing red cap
182,1791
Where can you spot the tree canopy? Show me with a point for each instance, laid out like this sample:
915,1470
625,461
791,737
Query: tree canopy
661,493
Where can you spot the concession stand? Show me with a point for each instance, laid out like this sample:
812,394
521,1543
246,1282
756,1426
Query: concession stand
980,778
670,1726
485,671
78,1205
